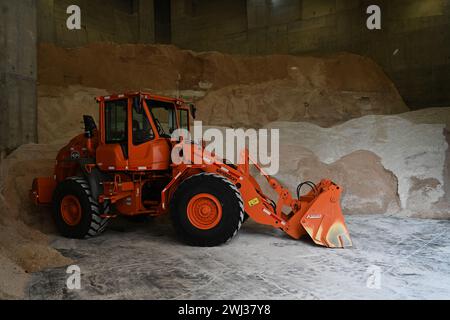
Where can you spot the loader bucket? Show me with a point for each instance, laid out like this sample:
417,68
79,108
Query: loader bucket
320,216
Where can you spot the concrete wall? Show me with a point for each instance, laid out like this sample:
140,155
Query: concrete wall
120,21
413,47
146,17
18,33
210,25
163,23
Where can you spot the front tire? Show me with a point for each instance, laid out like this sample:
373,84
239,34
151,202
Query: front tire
207,210
76,213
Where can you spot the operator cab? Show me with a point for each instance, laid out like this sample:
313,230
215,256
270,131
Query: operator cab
135,131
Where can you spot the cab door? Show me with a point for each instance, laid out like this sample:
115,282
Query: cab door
112,151
147,150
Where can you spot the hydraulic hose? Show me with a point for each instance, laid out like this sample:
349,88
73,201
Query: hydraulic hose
310,184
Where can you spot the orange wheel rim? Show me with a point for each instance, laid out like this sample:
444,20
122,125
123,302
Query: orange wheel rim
71,210
204,211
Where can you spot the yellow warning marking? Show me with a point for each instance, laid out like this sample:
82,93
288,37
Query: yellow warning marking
253,202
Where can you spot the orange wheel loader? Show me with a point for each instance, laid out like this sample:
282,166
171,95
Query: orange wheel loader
123,166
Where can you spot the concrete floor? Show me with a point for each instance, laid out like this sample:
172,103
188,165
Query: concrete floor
145,261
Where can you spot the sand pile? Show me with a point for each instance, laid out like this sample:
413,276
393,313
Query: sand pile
386,164
248,91
61,110
368,187
330,91
24,247
161,67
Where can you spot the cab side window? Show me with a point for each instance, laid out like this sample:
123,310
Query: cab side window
184,119
142,130
116,121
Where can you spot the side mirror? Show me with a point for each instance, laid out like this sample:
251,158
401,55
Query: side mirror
89,126
193,111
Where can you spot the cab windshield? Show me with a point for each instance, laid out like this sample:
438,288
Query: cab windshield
164,116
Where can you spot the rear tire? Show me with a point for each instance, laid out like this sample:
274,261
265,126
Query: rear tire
221,197
76,213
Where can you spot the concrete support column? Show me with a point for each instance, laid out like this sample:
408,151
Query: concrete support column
257,13
18,73
146,12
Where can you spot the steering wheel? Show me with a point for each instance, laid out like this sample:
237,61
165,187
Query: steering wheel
160,129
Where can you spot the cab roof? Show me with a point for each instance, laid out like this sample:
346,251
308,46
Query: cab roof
144,95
